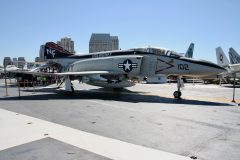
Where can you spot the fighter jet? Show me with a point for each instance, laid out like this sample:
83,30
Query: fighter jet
123,68
233,70
233,56
9,68
224,62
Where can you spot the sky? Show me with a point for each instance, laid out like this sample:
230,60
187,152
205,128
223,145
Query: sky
173,24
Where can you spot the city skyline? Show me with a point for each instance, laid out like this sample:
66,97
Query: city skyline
103,42
169,24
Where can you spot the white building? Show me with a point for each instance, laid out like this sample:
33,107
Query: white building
67,44
103,42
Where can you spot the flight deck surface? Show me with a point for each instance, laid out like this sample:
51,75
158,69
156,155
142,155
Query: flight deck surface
140,122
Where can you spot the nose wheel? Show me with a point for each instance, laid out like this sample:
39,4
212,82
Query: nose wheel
177,94
72,89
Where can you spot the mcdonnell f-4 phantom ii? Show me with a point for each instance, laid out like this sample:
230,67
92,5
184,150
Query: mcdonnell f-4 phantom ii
123,68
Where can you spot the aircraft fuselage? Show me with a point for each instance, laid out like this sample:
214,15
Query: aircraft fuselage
138,63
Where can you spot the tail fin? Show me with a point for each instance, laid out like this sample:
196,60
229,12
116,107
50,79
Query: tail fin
221,57
52,51
233,56
189,52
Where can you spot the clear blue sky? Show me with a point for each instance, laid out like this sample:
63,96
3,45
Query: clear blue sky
173,24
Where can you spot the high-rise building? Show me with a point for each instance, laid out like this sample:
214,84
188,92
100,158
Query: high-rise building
7,61
67,44
21,62
37,59
15,62
41,53
103,42
115,42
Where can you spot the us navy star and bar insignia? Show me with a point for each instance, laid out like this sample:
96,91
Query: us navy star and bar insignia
127,65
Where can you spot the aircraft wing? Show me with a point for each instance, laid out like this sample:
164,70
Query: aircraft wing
82,73
235,67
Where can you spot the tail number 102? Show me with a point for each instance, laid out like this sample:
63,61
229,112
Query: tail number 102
183,67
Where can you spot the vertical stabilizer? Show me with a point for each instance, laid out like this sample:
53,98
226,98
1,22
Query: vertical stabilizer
189,52
233,56
221,57
53,51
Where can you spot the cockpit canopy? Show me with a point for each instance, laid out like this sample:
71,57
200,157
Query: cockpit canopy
160,51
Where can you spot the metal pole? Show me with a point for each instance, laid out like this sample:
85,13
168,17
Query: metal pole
5,77
234,89
27,84
19,89
33,87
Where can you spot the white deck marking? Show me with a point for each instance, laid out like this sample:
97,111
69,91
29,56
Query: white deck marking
20,129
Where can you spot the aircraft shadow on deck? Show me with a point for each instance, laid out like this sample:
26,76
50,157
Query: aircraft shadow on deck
231,86
123,95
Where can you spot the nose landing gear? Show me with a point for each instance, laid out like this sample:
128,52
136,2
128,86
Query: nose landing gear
177,94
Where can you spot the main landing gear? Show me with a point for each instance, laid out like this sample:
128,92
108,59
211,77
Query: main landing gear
61,82
234,82
68,86
177,94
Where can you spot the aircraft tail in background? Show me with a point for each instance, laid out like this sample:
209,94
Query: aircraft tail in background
233,56
189,52
221,57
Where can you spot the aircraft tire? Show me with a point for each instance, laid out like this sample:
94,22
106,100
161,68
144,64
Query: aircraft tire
117,89
72,89
177,94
